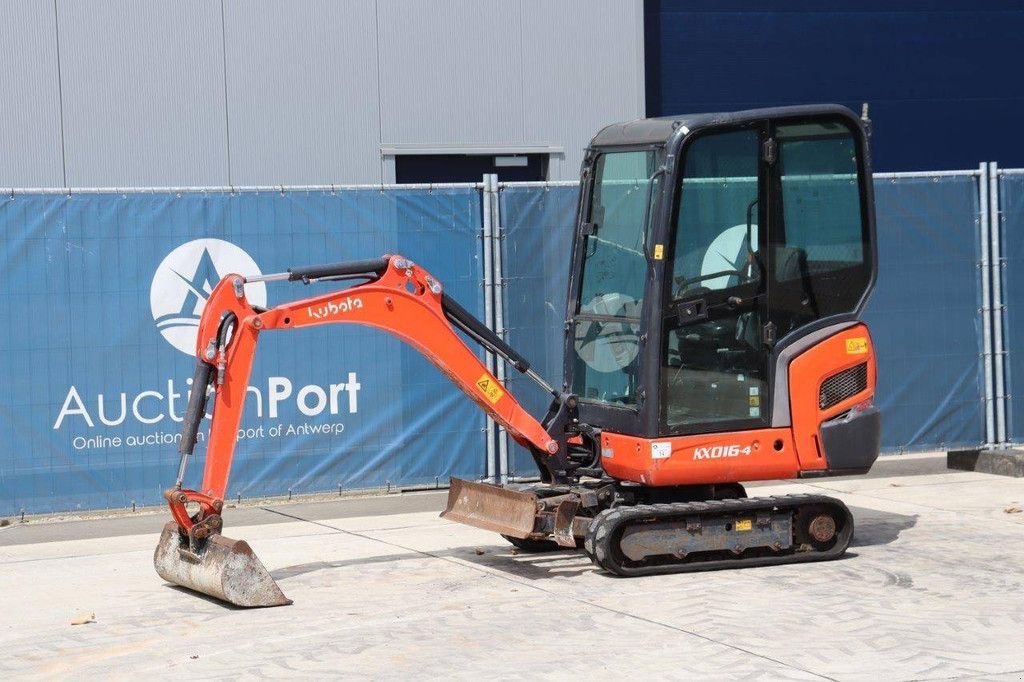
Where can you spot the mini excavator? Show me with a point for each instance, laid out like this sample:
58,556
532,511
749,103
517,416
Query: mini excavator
720,266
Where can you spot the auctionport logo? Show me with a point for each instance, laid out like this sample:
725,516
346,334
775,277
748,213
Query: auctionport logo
142,416
184,280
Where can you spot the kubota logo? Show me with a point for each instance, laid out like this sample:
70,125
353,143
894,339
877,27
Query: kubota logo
335,307
185,279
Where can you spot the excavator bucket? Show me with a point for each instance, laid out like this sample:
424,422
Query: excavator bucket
490,507
223,568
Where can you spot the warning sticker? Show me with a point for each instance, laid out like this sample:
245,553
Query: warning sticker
744,524
661,450
857,346
659,251
490,388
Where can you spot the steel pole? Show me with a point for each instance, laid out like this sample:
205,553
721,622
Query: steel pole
499,314
998,308
486,199
986,305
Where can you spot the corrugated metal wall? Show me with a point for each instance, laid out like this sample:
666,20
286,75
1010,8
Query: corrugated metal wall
302,92
232,92
584,66
30,139
143,92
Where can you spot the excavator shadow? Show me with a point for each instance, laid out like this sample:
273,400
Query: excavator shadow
523,565
207,598
531,566
873,527
301,569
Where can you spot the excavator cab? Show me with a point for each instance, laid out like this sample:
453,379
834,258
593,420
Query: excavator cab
711,250
720,266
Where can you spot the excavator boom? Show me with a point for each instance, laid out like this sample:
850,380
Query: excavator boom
396,296
401,299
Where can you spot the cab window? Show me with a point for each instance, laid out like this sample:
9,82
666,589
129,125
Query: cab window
821,260
607,319
713,365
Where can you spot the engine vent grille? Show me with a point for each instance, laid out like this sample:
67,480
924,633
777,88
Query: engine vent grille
841,386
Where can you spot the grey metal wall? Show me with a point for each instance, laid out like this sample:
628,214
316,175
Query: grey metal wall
30,142
535,72
143,93
116,93
302,91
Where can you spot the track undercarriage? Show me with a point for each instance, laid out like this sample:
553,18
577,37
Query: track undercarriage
634,530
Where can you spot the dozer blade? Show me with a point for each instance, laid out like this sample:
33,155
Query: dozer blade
491,507
224,568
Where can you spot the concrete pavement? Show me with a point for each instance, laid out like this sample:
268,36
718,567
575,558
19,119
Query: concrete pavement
932,588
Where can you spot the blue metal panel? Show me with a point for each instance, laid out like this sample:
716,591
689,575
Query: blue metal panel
930,69
86,278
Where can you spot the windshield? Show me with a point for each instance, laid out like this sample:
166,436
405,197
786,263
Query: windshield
716,245
614,272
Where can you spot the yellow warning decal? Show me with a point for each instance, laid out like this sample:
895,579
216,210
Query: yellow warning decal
744,524
857,346
659,251
755,401
490,388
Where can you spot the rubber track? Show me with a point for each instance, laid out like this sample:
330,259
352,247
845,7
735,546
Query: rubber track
607,526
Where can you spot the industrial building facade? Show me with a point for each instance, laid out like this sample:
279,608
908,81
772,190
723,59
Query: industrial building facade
218,93
115,93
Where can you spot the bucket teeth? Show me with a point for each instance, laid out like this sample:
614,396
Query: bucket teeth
223,568
491,507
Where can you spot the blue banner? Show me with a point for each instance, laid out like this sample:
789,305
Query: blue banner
102,294
537,224
924,313
1011,193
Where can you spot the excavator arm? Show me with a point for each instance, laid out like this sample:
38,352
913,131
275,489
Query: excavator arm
396,296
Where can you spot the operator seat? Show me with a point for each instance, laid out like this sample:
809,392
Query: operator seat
730,250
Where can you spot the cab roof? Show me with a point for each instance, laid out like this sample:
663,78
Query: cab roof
648,131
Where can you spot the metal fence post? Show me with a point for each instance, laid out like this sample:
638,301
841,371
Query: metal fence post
499,310
985,245
487,198
998,307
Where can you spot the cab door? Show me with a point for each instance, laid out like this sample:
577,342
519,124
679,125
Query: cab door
822,252
714,364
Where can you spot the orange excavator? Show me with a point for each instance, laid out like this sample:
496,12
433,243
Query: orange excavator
720,266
